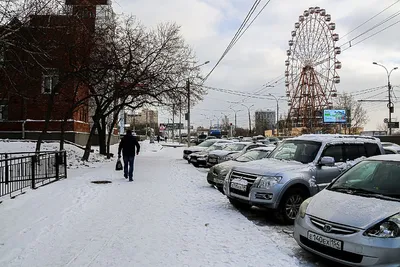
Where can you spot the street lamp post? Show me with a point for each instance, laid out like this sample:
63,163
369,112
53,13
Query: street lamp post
188,97
390,105
235,111
248,110
277,112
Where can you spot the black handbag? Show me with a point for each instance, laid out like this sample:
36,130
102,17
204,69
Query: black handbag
118,166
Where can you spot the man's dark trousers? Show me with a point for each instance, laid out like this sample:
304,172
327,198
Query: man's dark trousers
128,167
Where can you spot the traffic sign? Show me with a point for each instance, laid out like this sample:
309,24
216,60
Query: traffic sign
393,124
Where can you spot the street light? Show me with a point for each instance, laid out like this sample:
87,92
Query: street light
248,109
235,111
208,118
277,112
188,97
390,105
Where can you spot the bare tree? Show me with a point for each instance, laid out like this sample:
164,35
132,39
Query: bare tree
149,68
358,115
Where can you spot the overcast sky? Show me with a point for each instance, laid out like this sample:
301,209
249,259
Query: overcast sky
259,56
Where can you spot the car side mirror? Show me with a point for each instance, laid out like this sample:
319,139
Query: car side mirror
327,161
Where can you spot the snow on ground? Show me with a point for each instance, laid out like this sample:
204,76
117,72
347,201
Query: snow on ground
74,154
169,216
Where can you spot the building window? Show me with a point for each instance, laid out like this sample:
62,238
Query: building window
50,81
3,112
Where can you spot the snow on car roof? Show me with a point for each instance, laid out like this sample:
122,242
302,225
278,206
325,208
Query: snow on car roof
387,157
336,138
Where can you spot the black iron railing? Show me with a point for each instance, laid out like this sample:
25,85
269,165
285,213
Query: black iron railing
21,170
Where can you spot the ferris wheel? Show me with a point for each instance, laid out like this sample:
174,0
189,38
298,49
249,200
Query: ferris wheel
311,68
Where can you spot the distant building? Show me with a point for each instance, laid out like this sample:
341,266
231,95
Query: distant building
264,120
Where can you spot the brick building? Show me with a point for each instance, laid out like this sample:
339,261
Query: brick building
29,82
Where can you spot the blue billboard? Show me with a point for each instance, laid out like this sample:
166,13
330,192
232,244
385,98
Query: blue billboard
335,116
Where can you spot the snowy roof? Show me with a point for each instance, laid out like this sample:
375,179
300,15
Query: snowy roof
336,138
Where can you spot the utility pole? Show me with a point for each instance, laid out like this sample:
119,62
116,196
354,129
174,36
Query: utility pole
188,111
173,122
235,111
248,110
180,121
277,112
390,105
147,114
188,99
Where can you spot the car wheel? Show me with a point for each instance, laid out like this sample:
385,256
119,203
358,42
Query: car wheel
290,205
239,205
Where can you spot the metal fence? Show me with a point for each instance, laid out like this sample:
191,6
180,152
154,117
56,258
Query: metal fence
21,170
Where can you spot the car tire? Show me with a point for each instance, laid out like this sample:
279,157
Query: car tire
239,205
290,204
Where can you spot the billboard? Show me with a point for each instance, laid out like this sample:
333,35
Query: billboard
335,116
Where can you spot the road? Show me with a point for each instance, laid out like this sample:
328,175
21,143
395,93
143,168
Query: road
265,220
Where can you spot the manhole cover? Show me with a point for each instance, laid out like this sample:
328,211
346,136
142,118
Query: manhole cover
101,182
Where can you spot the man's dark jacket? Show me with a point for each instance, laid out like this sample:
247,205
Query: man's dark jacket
128,145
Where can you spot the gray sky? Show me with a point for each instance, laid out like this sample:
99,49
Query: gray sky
259,56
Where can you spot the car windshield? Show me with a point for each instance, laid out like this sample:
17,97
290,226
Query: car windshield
297,150
253,155
216,146
207,143
371,177
234,147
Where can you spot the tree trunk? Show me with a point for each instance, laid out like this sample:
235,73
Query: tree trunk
50,106
110,132
62,135
102,129
88,147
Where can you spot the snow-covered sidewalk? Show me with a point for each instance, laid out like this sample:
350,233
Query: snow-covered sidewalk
168,216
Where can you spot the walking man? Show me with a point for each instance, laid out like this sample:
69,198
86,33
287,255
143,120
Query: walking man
128,145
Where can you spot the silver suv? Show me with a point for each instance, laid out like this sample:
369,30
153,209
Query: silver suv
297,169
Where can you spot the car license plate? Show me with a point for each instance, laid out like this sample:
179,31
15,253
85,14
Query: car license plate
241,187
326,241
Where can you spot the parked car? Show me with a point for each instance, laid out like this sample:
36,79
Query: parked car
201,138
217,173
238,148
204,145
391,148
273,140
356,219
199,159
297,169
265,142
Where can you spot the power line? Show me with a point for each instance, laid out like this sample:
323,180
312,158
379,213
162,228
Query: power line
258,14
372,35
359,26
238,34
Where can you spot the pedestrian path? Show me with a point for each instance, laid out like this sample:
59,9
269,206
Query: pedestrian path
169,216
